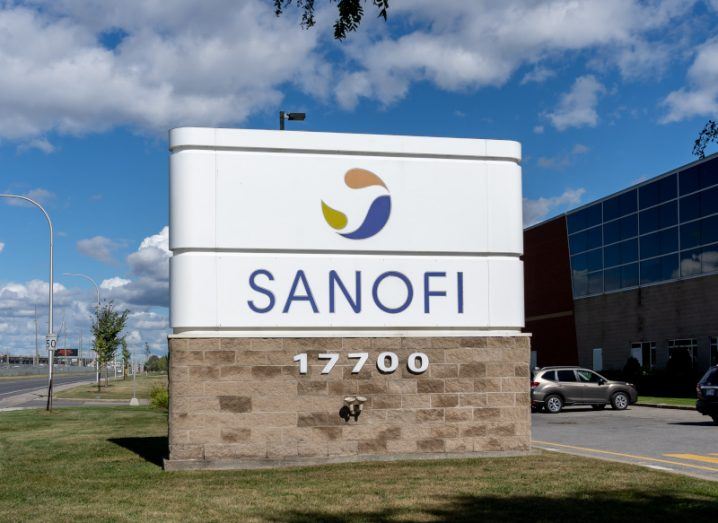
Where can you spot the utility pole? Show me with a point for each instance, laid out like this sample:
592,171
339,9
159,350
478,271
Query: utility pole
50,339
37,349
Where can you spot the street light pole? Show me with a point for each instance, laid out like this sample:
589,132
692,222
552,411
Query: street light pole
50,335
97,288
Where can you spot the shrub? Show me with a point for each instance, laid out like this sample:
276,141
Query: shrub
632,370
160,397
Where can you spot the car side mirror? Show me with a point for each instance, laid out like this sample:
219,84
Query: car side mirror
601,381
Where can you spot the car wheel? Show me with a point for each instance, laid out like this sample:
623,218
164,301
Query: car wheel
600,406
553,404
620,401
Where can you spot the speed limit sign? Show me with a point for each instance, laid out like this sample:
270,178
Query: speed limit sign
51,342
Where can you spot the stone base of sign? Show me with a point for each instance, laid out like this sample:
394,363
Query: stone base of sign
242,402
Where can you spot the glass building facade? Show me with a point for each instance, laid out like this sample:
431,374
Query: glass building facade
661,230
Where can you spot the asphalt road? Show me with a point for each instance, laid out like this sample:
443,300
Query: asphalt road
674,440
13,387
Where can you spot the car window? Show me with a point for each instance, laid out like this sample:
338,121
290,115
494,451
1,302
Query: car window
710,378
586,376
549,375
566,375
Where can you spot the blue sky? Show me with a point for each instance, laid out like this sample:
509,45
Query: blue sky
600,93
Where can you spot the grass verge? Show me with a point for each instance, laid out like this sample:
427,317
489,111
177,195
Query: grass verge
116,390
681,402
102,464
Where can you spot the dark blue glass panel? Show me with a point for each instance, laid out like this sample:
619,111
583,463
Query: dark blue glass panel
621,229
620,253
659,217
659,243
580,283
585,240
612,232
691,207
709,259
612,255
584,218
690,235
699,177
629,275
579,263
659,269
709,230
612,279
620,205
691,262
651,271
594,260
595,283
629,226
709,201
659,191
669,267
629,251
577,242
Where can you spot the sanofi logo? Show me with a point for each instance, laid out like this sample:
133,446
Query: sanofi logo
378,213
388,291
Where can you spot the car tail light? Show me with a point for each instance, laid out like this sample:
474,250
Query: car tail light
534,384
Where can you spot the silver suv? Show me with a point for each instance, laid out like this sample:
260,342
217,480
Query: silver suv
554,387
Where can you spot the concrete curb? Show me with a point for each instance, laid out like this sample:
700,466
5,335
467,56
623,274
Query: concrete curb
664,406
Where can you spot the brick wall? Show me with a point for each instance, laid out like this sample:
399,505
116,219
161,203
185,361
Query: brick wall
681,309
242,402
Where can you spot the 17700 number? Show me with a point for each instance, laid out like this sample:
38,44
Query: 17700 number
386,362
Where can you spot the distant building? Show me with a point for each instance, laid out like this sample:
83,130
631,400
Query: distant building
632,274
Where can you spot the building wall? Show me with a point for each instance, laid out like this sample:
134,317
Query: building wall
241,402
548,296
681,309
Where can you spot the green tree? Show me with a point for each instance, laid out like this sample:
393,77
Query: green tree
148,353
107,328
125,358
350,13
707,135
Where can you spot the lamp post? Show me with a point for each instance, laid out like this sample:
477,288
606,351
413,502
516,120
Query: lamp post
290,116
97,288
51,338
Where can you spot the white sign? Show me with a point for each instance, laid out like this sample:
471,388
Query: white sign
51,342
276,232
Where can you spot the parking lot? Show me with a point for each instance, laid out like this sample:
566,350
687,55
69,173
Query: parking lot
680,441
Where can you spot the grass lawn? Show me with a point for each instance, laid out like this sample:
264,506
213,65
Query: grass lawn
102,464
116,390
683,402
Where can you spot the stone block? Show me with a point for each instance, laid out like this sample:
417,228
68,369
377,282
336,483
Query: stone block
235,403
444,400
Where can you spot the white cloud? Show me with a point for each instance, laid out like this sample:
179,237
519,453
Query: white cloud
40,195
113,283
41,144
180,63
700,98
577,107
459,45
2,246
99,248
537,209
537,75
145,293
538,129
216,63
150,270
564,160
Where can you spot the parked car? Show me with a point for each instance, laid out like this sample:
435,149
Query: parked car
554,387
707,390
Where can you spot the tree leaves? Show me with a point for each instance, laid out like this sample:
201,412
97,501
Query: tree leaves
350,13
707,135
